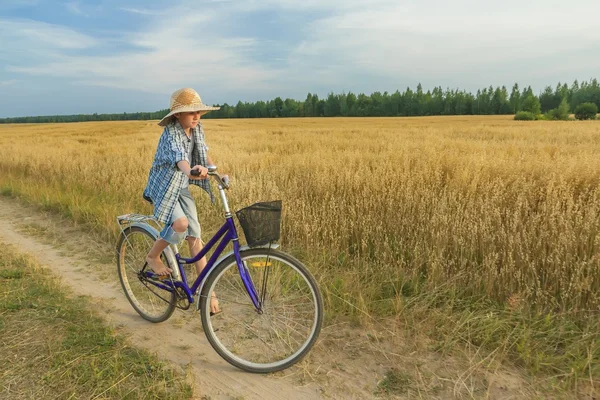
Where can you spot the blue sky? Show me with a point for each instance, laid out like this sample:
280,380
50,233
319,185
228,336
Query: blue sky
69,57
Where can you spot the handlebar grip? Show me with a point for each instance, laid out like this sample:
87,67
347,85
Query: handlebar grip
212,170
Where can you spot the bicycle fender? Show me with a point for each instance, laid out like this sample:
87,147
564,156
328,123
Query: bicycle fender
168,252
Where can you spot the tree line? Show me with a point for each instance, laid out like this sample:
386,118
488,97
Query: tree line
486,101
87,117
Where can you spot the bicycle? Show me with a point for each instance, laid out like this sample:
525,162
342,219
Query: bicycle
271,306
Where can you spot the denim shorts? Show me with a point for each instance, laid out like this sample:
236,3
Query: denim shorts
185,207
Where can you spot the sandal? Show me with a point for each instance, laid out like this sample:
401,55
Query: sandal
153,275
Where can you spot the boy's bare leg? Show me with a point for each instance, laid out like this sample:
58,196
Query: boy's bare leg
195,245
153,258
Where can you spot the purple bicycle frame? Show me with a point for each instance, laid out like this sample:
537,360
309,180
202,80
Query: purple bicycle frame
227,233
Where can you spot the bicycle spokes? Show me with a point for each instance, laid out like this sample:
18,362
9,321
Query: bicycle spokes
150,301
287,317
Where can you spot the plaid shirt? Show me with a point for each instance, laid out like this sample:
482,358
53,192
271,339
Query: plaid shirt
166,179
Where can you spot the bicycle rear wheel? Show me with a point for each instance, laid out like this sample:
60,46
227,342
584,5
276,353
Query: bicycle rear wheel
152,303
291,318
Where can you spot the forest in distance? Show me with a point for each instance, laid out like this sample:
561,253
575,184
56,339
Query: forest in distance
486,101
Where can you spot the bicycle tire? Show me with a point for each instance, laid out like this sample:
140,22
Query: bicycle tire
152,303
288,275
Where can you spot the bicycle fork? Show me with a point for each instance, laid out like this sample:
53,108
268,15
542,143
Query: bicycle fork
246,279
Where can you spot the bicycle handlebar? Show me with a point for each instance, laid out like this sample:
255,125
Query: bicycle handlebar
212,171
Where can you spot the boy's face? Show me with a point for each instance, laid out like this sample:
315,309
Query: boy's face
189,120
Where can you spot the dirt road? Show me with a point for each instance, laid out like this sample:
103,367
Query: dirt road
186,344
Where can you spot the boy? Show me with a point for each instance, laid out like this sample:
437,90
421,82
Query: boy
181,149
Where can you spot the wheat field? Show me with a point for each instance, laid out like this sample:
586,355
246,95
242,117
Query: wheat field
376,207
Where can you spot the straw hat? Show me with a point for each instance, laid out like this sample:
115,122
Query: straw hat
186,100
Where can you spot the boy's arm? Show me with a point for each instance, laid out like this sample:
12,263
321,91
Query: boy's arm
184,166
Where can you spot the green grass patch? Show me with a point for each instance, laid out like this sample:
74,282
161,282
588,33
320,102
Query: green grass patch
54,346
6,191
11,274
394,383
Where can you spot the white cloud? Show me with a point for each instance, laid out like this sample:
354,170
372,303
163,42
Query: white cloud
433,39
175,50
8,83
75,8
141,11
311,5
33,36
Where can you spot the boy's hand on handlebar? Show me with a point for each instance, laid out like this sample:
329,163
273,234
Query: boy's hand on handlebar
198,172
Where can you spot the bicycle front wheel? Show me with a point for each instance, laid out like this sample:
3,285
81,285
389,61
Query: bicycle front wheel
152,303
283,331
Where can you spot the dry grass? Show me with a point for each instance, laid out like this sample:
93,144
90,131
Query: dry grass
53,346
383,210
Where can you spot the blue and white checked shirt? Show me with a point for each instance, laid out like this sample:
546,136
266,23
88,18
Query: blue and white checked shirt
166,179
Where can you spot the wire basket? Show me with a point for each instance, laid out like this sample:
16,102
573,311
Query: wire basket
261,222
